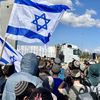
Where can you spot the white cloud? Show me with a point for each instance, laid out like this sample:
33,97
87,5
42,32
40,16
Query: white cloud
97,50
66,2
85,20
91,12
86,50
78,3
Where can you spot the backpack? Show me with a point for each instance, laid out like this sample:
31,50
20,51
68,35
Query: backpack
98,91
82,94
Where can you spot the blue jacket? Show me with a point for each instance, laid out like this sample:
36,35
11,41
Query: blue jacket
29,67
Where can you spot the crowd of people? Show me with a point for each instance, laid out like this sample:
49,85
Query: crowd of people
45,79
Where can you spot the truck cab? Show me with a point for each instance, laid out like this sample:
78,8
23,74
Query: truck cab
70,52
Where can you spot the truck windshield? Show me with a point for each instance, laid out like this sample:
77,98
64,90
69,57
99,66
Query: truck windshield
76,52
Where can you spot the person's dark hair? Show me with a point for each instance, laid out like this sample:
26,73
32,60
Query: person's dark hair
8,69
86,62
44,56
77,78
70,65
1,72
30,88
43,93
42,63
48,64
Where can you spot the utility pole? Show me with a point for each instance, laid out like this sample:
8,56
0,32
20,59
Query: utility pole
5,11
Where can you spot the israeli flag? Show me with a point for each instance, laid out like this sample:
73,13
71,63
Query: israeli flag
10,55
34,21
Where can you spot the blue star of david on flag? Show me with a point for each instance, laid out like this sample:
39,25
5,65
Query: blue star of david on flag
41,24
13,59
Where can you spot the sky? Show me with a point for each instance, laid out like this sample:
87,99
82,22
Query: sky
79,26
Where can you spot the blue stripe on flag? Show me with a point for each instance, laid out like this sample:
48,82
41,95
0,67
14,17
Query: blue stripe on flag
27,33
43,7
4,61
7,46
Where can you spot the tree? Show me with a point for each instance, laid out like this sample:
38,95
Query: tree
85,55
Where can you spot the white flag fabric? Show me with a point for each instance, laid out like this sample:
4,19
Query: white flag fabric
34,21
10,55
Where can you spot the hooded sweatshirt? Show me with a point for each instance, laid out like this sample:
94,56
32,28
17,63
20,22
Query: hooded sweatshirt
29,64
29,68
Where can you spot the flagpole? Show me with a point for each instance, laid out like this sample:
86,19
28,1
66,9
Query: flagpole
16,42
3,47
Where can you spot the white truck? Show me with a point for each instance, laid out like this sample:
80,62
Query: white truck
70,52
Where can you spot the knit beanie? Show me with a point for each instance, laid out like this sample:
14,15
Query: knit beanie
57,61
20,87
76,64
56,69
75,73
